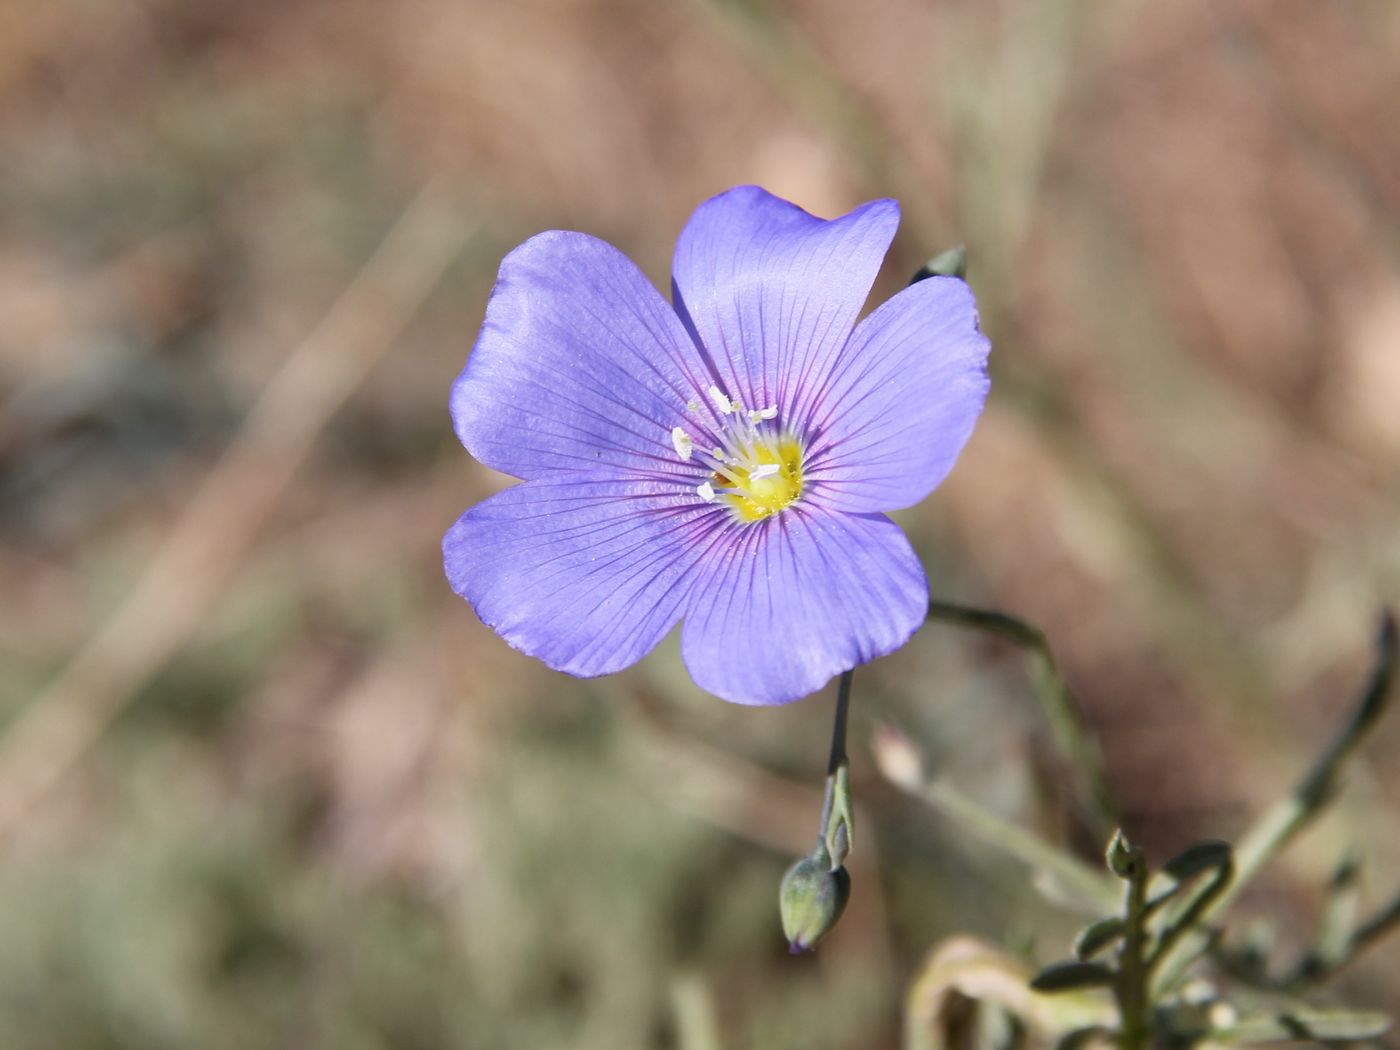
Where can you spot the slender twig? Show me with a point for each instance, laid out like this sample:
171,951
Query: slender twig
1062,710
1281,823
1336,927
1314,969
1321,780
1373,929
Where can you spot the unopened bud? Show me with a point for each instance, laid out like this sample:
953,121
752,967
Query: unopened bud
1122,857
811,900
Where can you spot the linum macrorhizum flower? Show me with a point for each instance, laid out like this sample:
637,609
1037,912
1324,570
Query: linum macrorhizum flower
722,461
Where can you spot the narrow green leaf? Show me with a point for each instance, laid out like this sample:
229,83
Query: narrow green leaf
1156,902
1097,936
1072,976
1304,1024
1200,857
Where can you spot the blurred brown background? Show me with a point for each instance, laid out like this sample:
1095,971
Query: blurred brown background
265,782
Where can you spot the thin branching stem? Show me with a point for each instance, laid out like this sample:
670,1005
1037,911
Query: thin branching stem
1314,969
1062,709
1130,988
1186,922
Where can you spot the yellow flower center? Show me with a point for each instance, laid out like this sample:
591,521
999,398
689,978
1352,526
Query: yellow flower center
764,482
757,467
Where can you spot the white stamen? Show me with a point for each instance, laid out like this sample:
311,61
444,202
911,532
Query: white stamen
706,492
764,470
721,402
771,412
728,475
681,442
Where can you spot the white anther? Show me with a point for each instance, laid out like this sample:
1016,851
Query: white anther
723,403
771,412
681,442
706,492
763,470
718,453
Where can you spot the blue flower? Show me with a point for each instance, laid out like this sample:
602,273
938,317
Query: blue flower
721,463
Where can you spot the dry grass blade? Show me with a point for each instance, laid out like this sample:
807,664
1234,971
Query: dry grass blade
965,966
183,580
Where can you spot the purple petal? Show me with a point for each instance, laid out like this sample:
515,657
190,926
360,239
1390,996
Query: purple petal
772,292
584,573
787,603
900,402
580,364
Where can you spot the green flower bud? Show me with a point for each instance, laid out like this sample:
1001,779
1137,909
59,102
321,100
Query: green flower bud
1123,858
952,263
811,900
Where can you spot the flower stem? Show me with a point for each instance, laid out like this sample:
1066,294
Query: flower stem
1061,708
838,813
838,727
815,889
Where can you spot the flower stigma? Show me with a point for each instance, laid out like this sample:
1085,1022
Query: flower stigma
756,470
